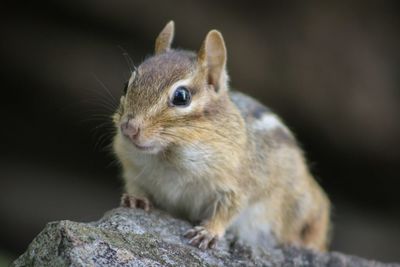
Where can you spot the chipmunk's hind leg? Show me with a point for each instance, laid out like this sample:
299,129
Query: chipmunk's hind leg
314,234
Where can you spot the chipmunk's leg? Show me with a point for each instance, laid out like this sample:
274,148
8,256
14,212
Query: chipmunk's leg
315,232
209,231
129,201
135,198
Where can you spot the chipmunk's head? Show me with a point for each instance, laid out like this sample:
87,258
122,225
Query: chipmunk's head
172,96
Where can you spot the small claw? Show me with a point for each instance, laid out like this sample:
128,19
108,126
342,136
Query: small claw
190,233
201,238
196,240
129,201
143,203
205,243
213,242
125,200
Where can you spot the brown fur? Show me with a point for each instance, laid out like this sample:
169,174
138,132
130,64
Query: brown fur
225,160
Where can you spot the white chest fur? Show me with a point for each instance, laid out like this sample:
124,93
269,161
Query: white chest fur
182,188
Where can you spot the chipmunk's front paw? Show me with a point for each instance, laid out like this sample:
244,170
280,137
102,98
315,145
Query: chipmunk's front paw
129,201
202,238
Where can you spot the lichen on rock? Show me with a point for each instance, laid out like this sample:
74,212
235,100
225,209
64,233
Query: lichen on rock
129,237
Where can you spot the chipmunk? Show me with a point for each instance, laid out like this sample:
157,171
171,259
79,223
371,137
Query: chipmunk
218,158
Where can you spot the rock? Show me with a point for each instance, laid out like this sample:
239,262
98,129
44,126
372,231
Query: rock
128,237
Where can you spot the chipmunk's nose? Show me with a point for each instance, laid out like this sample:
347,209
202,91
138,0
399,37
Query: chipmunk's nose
130,129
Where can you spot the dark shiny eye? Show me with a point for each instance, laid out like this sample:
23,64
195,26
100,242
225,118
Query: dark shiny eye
181,96
125,87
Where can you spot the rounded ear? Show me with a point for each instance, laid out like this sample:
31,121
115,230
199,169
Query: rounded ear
212,56
164,39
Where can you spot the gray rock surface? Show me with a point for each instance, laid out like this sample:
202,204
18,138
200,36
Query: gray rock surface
127,237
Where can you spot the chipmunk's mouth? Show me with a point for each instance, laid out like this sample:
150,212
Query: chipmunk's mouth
148,149
144,148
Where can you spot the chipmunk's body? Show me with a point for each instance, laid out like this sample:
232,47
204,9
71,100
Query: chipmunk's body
214,157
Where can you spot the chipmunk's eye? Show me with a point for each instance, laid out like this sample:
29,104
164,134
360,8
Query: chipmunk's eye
126,87
181,96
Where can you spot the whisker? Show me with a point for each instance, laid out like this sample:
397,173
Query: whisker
113,163
128,59
99,103
105,136
108,147
230,141
104,87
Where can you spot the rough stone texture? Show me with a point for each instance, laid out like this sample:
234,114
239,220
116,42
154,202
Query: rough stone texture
127,237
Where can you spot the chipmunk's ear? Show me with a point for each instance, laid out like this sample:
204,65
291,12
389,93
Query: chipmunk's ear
212,57
164,39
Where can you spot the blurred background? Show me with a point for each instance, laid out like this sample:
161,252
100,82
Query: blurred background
331,69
